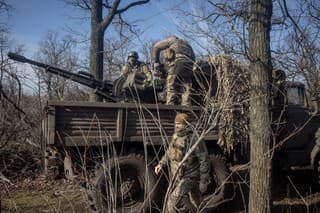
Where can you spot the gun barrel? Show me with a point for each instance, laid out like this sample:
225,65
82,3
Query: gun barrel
23,59
17,57
103,89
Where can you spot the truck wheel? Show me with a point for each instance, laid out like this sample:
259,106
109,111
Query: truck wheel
221,188
124,184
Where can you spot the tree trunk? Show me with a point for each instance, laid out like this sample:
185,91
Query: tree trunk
96,47
260,56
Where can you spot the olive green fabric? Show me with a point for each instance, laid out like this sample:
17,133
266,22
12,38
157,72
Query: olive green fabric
179,57
178,48
138,76
185,197
194,169
179,82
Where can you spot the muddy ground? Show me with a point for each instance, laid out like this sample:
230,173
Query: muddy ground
24,189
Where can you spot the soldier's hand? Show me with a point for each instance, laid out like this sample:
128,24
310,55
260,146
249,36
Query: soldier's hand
203,187
157,169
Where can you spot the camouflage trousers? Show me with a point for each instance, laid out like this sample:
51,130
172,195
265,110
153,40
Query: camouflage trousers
185,197
179,82
178,90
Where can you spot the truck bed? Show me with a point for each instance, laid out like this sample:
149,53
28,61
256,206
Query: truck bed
98,123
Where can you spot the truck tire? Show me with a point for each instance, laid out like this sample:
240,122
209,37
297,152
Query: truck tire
123,184
221,188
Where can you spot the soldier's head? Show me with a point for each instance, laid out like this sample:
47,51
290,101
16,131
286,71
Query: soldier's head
180,122
133,58
278,75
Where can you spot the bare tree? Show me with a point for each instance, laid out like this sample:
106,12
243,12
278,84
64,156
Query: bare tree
11,114
114,57
5,6
221,27
300,54
58,52
99,25
260,62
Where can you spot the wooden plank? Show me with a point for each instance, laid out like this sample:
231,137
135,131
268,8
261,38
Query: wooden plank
80,123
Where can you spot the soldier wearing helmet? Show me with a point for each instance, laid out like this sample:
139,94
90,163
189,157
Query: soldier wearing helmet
135,66
191,177
179,57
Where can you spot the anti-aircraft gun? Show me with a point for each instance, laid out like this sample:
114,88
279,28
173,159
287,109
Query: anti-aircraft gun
116,91
120,142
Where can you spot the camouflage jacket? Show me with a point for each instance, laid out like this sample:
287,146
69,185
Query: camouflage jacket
140,68
180,47
195,166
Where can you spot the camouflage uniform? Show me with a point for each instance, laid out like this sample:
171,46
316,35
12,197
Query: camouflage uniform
136,73
185,196
140,67
179,58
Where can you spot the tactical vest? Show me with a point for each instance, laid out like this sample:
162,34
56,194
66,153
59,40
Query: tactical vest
180,146
182,48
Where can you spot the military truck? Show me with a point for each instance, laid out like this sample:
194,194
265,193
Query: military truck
115,146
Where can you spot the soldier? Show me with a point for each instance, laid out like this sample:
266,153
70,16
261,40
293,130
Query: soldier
193,175
278,87
135,66
179,57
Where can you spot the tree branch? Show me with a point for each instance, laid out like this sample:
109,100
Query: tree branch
132,5
108,19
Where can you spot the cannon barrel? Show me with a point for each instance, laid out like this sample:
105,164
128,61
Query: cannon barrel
101,88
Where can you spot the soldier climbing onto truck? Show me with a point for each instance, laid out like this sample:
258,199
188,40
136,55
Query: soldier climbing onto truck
192,177
179,58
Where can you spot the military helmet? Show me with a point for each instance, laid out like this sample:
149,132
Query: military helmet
133,54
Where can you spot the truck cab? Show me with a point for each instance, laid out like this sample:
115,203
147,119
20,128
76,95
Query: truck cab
297,136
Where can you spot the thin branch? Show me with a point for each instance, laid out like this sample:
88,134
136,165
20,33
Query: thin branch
132,5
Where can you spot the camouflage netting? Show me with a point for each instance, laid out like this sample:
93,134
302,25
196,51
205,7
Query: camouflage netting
233,98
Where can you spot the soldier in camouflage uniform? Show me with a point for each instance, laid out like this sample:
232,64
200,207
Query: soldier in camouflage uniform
179,57
135,66
192,177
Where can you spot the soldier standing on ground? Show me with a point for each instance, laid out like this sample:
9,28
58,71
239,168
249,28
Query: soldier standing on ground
179,57
135,66
192,177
